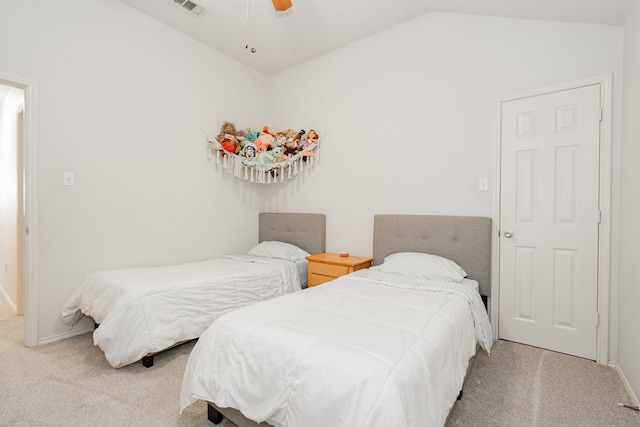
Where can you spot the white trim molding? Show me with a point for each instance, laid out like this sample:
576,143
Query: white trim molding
627,385
7,300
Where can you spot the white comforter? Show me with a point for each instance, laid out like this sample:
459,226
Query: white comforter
145,310
368,349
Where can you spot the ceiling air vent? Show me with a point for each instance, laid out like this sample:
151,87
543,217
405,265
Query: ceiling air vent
189,6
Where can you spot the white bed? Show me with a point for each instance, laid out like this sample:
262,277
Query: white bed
379,347
143,311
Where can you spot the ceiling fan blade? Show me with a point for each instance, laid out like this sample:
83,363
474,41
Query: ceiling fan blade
281,5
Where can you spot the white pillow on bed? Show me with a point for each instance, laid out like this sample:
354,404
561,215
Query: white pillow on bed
423,266
275,249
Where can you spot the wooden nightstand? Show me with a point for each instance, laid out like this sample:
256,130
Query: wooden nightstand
326,267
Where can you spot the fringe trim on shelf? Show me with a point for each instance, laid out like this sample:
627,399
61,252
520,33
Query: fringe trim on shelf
245,169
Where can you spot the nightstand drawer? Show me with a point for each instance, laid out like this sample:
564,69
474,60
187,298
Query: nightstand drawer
316,279
328,269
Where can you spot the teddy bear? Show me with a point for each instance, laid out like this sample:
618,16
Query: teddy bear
229,143
291,147
227,138
226,128
290,133
292,142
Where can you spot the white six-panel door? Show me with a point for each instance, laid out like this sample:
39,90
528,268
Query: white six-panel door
549,218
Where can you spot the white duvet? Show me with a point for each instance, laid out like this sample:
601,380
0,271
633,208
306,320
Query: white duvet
368,349
142,311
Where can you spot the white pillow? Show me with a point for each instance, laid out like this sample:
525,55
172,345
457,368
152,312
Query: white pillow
423,266
275,249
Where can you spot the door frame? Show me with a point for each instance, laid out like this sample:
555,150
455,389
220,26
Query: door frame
20,222
604,195
30,257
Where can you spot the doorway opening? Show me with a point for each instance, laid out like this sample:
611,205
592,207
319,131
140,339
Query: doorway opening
17,194
12,197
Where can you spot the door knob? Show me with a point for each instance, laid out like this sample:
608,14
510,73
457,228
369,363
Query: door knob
508,234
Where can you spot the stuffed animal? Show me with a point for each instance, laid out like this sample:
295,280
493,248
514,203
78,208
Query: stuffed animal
297,141
281,138
260,146
290,134
228,146
252,135
226,128
242,133
278,154
249,151
289,142
266,158
291,146
310,142
313,137
267,139
265,146
241,136
302,137
227,138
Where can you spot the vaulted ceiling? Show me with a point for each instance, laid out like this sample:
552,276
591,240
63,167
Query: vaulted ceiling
252,32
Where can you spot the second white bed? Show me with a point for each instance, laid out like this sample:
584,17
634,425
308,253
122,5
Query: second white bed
143,311
146,310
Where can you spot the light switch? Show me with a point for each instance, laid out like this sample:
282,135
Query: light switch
483,184
69,178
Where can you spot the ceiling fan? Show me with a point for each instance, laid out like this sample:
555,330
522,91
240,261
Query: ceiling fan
281,5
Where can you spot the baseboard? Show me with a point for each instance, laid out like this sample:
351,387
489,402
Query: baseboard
627,386
66,335
10,303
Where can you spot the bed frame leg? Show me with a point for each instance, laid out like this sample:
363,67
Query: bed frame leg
213,415
147,361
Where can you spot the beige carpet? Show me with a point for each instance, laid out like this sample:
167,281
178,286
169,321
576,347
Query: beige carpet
520,385
69,383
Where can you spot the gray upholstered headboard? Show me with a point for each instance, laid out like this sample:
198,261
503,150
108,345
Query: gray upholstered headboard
463,239
305,230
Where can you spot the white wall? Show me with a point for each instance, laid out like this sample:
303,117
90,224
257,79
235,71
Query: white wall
410,117
9,197
121,100
629,315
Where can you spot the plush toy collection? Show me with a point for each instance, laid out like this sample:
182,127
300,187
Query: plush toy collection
259,156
